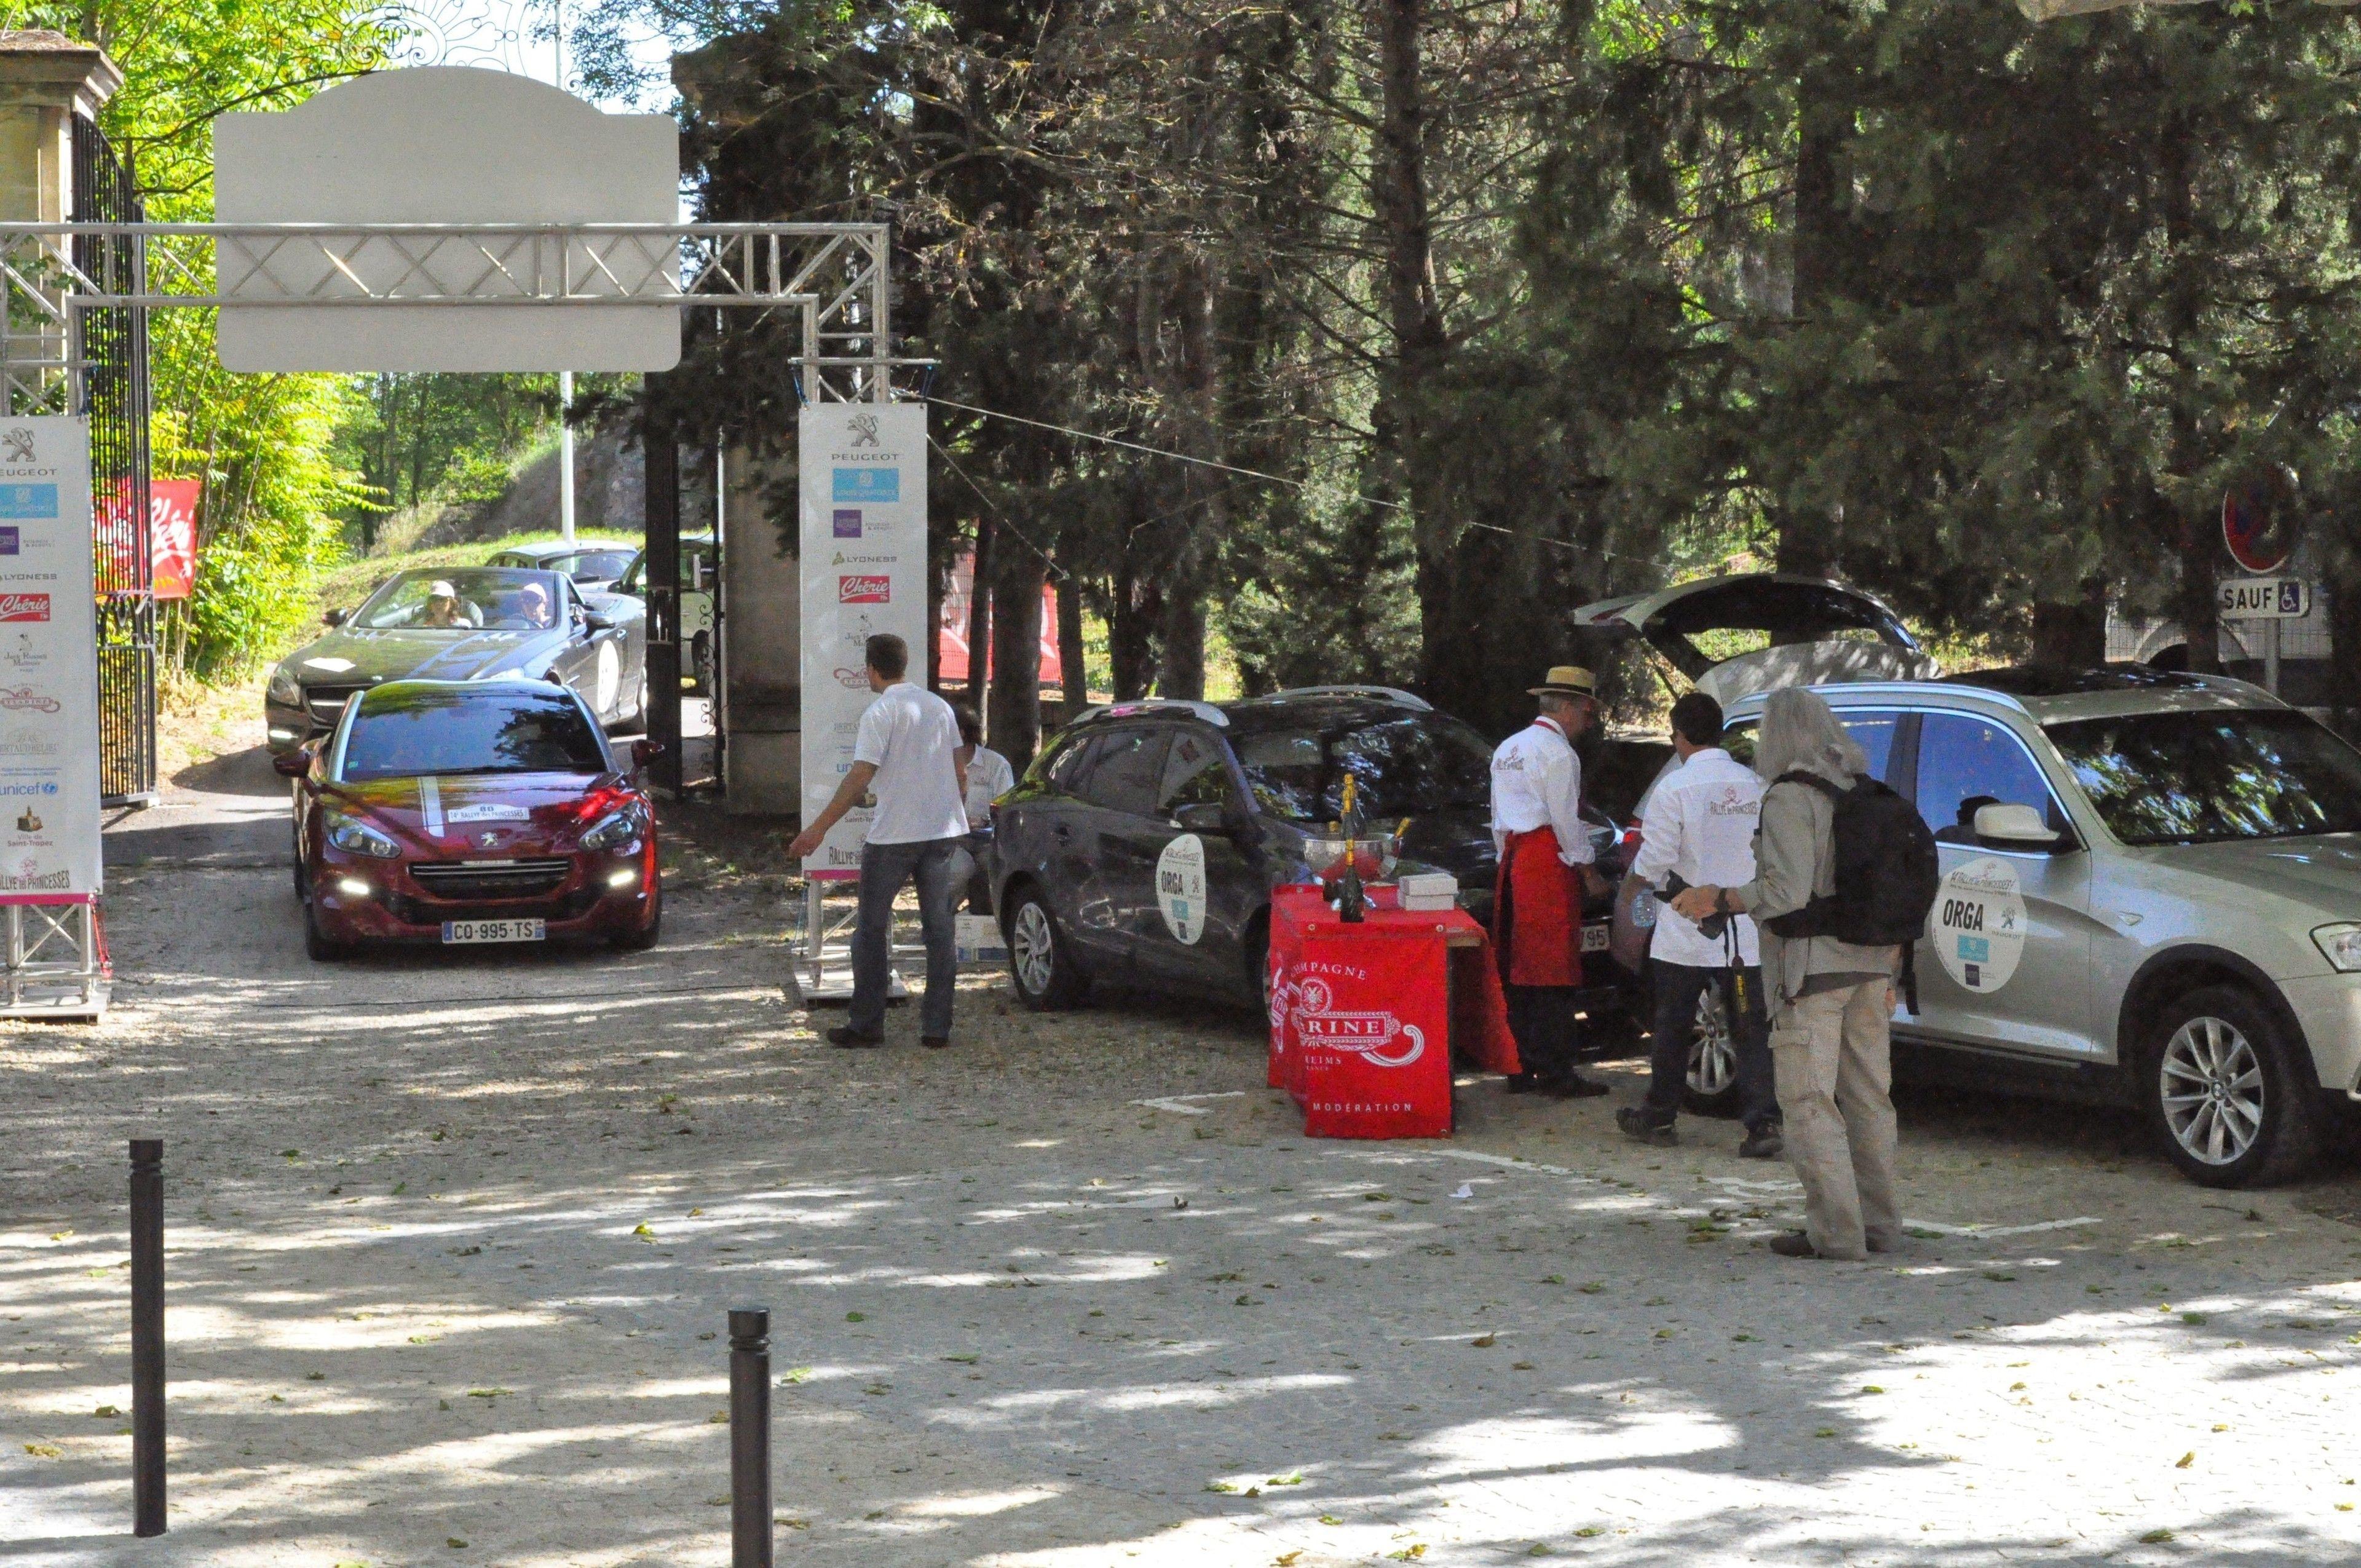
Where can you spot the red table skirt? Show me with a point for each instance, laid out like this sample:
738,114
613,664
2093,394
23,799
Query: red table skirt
1364,1018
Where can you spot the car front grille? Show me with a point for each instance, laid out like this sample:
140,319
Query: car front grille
325,704
481,881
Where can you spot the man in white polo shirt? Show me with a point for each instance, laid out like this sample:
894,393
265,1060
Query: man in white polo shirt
907,747
1698,825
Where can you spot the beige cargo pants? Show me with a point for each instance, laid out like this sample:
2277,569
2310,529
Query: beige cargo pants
1832,1064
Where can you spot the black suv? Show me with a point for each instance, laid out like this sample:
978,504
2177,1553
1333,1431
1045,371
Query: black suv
1143,844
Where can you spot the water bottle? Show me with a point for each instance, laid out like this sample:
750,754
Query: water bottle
1643,909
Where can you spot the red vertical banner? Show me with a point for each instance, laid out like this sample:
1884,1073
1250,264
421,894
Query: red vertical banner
173,536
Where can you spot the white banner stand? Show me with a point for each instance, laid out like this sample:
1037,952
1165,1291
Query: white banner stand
52,955
860,474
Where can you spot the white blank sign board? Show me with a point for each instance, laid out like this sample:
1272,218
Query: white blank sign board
444,145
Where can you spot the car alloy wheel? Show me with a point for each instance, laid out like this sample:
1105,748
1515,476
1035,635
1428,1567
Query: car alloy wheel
1712,1084
1713,1054
2213,1091
1033,950
1039,960
2233,1094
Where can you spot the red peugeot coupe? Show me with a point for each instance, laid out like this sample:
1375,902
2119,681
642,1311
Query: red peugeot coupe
464,812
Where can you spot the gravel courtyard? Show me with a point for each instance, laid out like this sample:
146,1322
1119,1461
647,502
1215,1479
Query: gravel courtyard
452,1240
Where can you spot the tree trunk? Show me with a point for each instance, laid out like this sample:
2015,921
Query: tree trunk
1807,540
1134,614
979,611
1074,656
1453,665
1202,519
1015,722
2194,528
2072,636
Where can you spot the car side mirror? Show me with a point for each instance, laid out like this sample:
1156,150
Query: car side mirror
293,764
2014,827
1206,816
335,617
593,621
645,751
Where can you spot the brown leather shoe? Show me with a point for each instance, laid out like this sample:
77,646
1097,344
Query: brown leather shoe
1794,1244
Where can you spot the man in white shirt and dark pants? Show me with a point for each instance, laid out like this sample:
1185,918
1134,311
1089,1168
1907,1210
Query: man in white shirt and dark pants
1699,825
1545,868
908,747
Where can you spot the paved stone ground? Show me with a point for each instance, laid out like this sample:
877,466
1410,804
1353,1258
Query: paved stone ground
452,1243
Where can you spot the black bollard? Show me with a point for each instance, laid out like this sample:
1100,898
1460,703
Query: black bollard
750,1438
147,1336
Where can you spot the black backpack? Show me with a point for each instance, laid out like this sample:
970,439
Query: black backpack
1887,872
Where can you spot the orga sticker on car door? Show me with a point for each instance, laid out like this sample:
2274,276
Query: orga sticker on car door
1181,887
1977,926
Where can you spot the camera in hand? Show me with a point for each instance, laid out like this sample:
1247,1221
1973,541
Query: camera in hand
1712,925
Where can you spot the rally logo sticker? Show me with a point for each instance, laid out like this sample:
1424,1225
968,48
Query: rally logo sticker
1977,927
1181,887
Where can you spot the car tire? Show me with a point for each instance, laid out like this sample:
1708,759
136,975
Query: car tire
1256,953
640,940
1041,962
2230,1096
1712,1086
316,943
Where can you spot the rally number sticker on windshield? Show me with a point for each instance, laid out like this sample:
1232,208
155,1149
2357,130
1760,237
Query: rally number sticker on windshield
1181,887
1977,927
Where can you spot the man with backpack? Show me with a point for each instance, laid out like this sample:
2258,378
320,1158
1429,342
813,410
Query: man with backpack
1846,871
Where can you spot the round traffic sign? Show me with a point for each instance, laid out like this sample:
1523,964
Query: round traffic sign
2258,522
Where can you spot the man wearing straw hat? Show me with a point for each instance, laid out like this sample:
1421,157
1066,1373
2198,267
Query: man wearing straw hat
1545,871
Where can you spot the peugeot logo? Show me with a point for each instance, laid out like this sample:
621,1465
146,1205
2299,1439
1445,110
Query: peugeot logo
863,427
489,840
19,440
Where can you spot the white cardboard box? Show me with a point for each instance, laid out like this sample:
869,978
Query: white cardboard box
1429,891
980,941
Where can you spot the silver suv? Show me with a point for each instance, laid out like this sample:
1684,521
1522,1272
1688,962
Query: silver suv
2149,879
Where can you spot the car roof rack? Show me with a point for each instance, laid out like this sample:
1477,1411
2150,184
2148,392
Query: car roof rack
1391,694
1152,705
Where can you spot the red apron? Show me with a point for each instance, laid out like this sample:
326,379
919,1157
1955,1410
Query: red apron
1537,912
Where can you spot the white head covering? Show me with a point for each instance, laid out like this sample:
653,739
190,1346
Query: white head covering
1799,731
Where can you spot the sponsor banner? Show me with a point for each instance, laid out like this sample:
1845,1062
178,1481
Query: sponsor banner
48,665
862,531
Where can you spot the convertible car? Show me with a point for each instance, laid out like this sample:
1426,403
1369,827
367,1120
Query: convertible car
465,812
464,624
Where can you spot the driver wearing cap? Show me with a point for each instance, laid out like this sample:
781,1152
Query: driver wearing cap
1545,868
442,605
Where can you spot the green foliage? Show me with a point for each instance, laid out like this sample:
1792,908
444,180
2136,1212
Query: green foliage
260,444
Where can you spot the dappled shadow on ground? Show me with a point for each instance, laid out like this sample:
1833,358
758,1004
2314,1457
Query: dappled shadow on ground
246,773
453,1244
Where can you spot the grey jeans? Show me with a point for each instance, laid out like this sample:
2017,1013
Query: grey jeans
883,869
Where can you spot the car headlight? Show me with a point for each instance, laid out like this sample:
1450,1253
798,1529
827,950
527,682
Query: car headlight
619,832
283,687
2340,944
355,837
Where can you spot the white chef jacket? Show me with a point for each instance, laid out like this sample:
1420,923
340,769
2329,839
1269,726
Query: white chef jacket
989,777
1699,821
1536,783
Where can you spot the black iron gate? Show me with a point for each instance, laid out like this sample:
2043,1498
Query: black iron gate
113,393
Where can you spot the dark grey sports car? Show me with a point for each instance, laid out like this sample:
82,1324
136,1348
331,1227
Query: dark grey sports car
463,624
